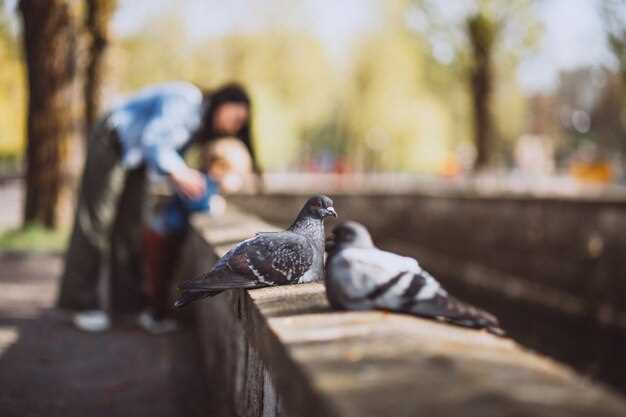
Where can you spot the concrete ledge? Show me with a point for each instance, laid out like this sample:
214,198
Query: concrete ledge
490,186
282,351
558,264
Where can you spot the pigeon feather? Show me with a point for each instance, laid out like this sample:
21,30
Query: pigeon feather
360,276
293,256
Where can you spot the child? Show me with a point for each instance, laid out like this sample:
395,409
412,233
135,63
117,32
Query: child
227,163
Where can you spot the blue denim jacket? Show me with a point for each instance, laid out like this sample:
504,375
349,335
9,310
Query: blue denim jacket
155,125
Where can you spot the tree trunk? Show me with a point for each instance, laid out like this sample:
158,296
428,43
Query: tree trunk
99,14
50,40
482,33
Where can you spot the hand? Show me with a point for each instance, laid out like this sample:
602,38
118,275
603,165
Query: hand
189,182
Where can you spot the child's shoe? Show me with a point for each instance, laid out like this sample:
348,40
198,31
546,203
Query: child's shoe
152,325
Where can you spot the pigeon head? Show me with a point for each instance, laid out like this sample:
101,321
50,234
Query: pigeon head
320,207
351,234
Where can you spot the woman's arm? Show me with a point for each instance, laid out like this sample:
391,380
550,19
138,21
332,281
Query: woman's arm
169,129
189,182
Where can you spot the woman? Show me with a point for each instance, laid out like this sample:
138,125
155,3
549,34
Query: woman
148,132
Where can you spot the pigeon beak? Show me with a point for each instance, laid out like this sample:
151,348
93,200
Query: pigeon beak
332,211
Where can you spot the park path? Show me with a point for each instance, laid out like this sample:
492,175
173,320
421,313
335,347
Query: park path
10,203
47,368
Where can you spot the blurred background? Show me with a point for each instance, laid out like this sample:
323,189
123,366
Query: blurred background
528,89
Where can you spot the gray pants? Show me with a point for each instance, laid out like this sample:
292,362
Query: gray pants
107,231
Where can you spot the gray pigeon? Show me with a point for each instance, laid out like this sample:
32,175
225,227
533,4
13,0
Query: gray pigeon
359,276
293,256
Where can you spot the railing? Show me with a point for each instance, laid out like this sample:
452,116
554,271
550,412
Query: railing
282,351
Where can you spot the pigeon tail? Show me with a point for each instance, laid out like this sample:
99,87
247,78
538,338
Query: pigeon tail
210,285
188,297
460,313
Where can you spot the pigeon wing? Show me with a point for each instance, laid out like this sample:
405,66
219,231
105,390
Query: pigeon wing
372,278
272,258
265,259
366,277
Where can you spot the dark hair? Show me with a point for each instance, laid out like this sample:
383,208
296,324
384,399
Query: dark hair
228,93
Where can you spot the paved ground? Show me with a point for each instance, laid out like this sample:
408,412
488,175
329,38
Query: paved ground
47,368
11,198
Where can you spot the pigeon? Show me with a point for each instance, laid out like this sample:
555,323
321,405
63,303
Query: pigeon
293,256
359,276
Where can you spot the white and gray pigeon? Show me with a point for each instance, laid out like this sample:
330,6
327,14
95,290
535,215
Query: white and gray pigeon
359,276
293,256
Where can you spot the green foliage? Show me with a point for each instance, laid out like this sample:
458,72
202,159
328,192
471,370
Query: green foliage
34,238
615,20
618,46
488,41
288,74
510,105
12,92
394,119
391,106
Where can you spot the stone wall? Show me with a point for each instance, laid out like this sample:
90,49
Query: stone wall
283,352
553,268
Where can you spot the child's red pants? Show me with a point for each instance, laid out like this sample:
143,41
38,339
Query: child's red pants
161,253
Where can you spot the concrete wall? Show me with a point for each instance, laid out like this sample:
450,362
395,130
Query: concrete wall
553,269
234,334
282,351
